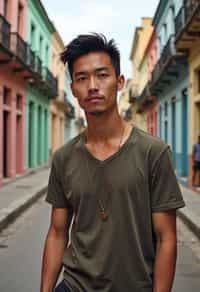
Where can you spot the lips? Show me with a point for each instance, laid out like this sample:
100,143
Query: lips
94,98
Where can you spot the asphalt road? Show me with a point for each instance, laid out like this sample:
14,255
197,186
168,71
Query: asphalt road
21,246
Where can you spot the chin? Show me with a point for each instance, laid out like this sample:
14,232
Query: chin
96,112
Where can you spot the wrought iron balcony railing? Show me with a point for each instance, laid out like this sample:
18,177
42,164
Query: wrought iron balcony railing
38,66
30,58
50,81
191,7
4,33
167,54
19,47
186,13
180,21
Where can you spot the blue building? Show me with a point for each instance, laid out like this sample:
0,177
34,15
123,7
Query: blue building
170,85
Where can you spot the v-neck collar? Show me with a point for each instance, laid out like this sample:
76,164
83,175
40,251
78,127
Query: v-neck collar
112,156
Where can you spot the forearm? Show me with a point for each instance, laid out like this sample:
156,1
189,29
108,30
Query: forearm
165,264
52,260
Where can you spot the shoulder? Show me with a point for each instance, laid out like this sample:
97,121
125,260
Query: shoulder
64,152
149,148
150,144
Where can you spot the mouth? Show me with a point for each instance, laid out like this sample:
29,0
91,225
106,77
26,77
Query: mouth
94,99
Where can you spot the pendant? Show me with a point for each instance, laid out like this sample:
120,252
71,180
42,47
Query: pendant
103,215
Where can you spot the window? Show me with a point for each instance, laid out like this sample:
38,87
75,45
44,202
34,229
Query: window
20,19
32,36
47,55
166,109
19,101
5,8
40,45
165,32
6,95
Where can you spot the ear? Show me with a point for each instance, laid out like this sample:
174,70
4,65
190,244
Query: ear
120,82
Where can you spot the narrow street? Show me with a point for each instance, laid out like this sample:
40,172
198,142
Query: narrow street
21,250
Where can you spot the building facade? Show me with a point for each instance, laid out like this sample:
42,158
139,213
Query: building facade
150,101
40,89
139,69
14,71
170,81
58,105
187,37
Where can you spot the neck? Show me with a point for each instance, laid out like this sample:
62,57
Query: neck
104,126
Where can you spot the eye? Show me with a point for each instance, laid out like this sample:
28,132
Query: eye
82,78
103,75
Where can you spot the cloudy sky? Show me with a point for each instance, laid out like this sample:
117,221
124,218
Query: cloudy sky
115,18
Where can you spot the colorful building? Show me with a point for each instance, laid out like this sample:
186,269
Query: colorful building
170,81
60,107
15,69
40,89
139,65
148,101
187,38
124,101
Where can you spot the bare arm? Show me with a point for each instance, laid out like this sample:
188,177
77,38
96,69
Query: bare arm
54,249
166,250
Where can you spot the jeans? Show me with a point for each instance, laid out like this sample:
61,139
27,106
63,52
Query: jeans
62,287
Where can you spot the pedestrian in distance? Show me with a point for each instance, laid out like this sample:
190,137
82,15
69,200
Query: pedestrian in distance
196,161
113,186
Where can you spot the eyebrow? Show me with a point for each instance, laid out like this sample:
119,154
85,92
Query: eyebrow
96,70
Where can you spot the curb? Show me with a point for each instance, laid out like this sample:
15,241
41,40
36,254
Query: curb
190,220
8,215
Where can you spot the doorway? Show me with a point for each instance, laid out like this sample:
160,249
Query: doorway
174,130
30,135
5,143
184,133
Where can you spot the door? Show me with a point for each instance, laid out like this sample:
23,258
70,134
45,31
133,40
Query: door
184,134
174,131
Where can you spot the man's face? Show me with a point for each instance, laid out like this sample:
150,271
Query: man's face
94,82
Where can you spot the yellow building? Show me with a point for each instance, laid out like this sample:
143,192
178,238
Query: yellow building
139,68
58,105
188,38
124,102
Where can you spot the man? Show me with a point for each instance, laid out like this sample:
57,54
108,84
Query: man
119,184
196,160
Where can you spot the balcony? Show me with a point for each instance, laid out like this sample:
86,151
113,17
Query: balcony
187,25
50,83
30,58
70,109
145,99
166,67
19,48
38,66
4,34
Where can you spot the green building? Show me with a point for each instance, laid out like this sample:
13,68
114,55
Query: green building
41,88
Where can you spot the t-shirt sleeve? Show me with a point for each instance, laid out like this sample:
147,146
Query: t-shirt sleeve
55,194
165,190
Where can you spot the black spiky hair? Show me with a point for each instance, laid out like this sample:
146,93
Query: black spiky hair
88,43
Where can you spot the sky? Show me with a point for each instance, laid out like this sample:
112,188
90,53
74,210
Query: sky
114,18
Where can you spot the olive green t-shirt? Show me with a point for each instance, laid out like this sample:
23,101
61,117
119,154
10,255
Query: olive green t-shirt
116,255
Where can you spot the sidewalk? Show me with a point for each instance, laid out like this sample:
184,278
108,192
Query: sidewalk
16,196
191,213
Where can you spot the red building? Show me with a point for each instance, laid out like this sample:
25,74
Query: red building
14,71
151,107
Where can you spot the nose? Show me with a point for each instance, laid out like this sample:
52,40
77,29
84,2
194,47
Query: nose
92,87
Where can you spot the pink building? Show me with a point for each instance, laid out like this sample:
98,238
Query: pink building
13,75
152,109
